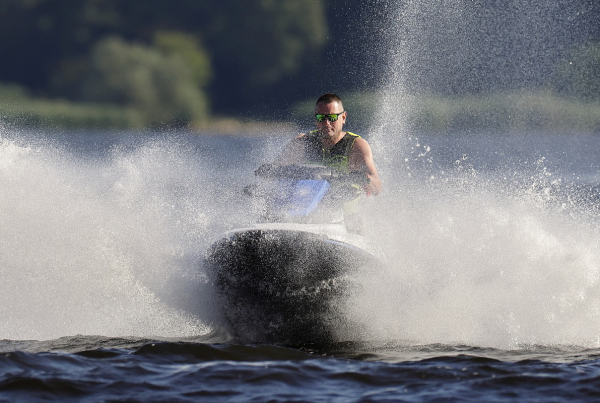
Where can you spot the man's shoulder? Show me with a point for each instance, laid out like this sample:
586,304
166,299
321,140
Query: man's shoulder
355,138
361,145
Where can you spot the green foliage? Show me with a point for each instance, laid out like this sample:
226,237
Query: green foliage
504,112
12,93
189,49
160,86
579,75
64,114
19,109
165,60
248,48
266,39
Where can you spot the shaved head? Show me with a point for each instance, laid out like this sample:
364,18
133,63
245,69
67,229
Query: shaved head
329,98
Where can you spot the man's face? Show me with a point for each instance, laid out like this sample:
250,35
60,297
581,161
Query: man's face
327,128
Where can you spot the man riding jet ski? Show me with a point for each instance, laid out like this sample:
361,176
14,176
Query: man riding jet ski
330,146
282,279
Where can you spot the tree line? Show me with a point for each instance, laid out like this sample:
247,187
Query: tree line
174,60
180,61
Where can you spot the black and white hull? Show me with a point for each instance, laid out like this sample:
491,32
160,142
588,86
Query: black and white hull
285,283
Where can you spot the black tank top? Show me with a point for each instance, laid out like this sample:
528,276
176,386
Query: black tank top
337,157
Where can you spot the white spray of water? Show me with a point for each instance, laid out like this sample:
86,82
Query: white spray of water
111,246
108,246
472,265
472,259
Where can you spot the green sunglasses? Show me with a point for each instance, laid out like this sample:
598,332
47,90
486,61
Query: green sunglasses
331,117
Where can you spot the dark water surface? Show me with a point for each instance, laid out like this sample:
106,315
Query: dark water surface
113,369
492,292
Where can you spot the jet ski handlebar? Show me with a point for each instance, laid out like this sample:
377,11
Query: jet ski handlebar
309,171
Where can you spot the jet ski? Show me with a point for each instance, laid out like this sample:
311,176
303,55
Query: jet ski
285,278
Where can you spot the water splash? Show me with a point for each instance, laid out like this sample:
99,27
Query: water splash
106,246
498,259
109,246
476,266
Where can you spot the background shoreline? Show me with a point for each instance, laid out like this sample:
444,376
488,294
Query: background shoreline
498,112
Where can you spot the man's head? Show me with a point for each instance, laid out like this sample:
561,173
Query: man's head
329,98
330,115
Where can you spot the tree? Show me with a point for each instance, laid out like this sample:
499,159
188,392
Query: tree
259,44
253,45
160,85
187,47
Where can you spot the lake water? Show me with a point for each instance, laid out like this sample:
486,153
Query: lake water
490,290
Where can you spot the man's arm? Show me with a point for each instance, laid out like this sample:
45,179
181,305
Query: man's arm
361,158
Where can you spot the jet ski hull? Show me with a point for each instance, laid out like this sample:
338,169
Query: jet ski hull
284,285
